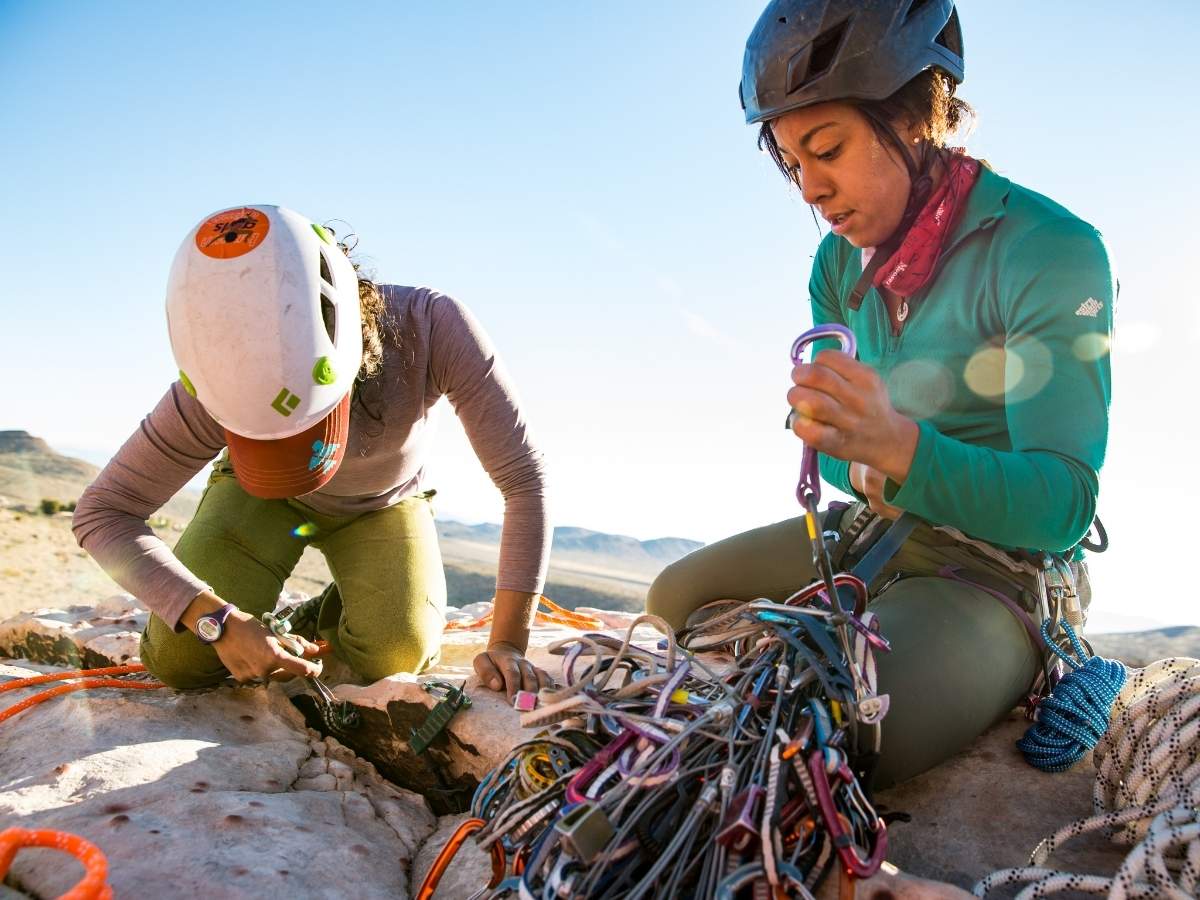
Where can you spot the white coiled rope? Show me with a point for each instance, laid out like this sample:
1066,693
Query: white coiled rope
1146,796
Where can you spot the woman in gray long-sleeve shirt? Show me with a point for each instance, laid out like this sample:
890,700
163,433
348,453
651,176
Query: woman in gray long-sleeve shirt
369,512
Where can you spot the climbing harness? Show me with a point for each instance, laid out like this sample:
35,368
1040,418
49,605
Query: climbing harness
78,680
339,716
94,884
659,772
1147,790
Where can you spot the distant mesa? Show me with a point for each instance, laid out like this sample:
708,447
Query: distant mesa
22,442
31,471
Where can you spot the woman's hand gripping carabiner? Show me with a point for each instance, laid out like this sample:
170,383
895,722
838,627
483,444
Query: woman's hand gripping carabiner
808,490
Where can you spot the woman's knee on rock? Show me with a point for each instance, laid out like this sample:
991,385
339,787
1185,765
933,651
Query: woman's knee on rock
671,595
179,666
413,655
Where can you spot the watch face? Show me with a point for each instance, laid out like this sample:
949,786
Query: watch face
208,628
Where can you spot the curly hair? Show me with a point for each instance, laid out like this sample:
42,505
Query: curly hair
925,103
373,309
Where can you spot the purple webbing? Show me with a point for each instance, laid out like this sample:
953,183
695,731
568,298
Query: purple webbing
1035,637
809,487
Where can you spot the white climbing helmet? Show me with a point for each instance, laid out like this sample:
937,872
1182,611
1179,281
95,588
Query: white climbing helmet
263,313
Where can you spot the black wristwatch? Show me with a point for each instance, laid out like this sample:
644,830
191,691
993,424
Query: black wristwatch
210,628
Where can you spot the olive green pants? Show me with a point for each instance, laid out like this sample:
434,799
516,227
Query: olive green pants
387,615
960,659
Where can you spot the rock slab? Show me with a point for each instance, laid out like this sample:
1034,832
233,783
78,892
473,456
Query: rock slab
215,793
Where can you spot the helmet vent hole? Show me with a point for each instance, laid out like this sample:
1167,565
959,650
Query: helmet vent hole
326,272
916,6
825,50
950,37
329,317
783,20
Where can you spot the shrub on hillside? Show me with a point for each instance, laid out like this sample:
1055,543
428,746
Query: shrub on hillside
52,507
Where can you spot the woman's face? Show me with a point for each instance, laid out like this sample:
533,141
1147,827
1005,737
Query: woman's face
859,186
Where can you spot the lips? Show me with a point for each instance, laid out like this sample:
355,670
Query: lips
837,221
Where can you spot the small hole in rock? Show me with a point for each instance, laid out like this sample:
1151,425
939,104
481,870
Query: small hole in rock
246,718
257,803
234,819
239,870
284,872
155,831
116,808
360,850
118,820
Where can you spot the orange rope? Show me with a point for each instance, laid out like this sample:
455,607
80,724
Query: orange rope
60,676
549,613
94,884
86,683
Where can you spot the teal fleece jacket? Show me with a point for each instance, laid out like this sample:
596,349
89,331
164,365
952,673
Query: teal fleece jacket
1003,363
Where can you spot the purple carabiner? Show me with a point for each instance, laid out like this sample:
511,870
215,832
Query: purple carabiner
808,490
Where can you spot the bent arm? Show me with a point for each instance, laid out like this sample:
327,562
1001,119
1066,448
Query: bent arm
1057,293
171,445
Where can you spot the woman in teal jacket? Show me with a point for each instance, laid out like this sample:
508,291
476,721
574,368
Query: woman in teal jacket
979,399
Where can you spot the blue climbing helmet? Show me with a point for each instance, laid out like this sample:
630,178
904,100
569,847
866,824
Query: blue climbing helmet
804,52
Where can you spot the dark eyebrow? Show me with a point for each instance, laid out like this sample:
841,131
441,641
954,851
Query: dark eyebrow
808,135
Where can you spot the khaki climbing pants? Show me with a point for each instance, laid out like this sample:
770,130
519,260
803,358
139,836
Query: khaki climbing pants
386,616
960,659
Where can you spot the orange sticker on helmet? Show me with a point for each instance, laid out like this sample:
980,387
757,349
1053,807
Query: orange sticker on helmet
232,233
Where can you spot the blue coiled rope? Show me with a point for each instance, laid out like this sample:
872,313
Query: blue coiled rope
1075,716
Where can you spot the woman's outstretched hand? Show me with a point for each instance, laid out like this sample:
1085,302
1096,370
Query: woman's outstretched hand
503,666
843,410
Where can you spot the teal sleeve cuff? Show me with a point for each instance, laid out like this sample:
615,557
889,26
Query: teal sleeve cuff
910,495
837,473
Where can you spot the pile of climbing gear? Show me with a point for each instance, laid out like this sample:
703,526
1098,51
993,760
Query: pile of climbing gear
1144,726
730,760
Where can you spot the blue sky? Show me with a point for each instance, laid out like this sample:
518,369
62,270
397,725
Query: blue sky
578,174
